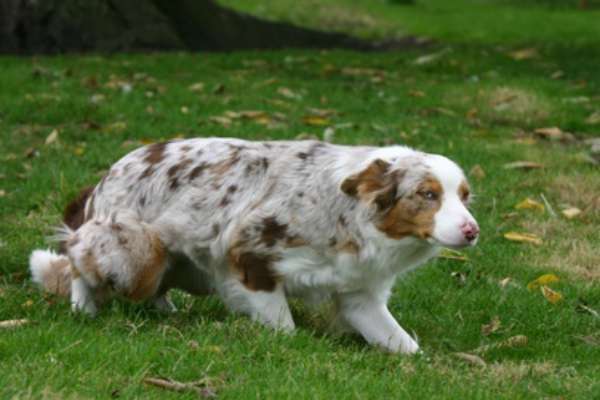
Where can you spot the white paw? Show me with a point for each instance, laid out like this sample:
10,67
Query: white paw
86,307
409,346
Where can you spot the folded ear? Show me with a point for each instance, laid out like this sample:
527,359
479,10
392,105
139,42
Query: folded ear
372,183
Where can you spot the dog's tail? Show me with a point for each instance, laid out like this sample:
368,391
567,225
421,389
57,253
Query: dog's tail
50,270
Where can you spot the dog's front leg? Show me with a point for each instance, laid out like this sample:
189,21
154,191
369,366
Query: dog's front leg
371,318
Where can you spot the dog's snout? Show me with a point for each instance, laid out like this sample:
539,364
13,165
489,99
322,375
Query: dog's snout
470,230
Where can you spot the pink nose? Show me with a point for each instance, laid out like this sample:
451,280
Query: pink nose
470,230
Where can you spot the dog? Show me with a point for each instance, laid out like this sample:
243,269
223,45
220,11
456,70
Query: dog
257,222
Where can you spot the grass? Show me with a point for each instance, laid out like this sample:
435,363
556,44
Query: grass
475,104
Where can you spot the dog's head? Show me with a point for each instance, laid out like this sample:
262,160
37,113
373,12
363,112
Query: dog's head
420,195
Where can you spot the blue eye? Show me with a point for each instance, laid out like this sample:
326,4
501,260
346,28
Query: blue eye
429,195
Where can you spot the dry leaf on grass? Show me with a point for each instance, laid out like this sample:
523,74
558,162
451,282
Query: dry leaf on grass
542,280
224,121
430,58
504,282
571,212
315,120
491,327
451,254
524,54
288,93
471,359
117,126
526,165
511,342
52,137
553,133
13,323
593,119
196,87
530,204
523,237
477,172
202,387
551,295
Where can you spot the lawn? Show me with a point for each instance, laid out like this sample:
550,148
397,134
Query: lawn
494,75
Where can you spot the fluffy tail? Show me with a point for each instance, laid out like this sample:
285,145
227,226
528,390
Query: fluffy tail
51,271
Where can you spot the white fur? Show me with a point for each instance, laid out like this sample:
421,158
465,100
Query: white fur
40,264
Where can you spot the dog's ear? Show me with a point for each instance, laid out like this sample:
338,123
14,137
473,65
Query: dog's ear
373,183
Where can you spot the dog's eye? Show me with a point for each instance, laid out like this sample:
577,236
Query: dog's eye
429,195
466,197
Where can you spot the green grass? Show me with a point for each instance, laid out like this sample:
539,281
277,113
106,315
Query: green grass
475,104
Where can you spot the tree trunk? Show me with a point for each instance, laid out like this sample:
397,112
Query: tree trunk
57,26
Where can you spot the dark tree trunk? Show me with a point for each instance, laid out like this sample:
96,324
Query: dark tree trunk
55,26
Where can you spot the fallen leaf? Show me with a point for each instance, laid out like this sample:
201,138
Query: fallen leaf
226,122
549,133
477,172
491,327
554,133
357,71
202,387
524,54
551,295
315,120
322,112
523,237
530,204
52,137
416,93
430,58
13,323
513,341
593,119
97,98
196,87
184,110
571,212
288,93
523,165
117,126
471,359
451,254
504,282
542,280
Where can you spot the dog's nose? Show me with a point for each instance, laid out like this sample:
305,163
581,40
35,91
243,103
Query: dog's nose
470,230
